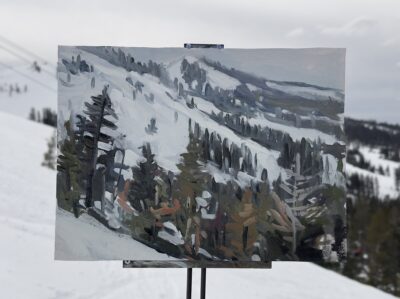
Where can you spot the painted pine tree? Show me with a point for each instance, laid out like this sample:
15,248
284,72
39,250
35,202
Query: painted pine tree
100,114
189,184
143,190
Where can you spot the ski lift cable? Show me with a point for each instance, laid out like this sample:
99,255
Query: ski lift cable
28,77
16,65
26,51
25,60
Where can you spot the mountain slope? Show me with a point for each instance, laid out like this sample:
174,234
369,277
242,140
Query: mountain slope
40,93
28,269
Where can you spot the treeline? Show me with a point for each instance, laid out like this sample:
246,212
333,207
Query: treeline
373,134
78,65
267,137
13,88
46,116
271,100
373,233
356,158
127,61
225,154
363,186
374,241
310,152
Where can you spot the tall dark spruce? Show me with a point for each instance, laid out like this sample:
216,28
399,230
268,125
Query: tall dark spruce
142,193
99,112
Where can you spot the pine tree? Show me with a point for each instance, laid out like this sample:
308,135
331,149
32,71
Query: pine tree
49,117
151,127
142,192
97,111
32,114
190,182
69,169
50,156
397,178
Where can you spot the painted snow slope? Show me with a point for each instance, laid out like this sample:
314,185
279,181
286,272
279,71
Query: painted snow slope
87,239
28,269
172,137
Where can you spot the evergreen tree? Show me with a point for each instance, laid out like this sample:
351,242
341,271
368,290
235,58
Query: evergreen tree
97,111
32,114
69,172
49,117
397,178
142,192
50,156
189,184
152,127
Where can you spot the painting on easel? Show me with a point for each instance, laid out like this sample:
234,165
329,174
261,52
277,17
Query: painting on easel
199,157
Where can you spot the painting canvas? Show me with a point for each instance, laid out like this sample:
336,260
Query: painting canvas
200,157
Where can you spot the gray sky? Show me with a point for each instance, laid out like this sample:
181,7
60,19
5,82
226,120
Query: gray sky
370,30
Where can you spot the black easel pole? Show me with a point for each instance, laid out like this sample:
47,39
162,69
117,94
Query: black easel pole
203,283
189,283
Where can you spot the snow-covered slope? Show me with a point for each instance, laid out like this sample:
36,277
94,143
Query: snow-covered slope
93,241
308,92
28,269
386,180
40,93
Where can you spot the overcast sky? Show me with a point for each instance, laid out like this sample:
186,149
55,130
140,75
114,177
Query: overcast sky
369,30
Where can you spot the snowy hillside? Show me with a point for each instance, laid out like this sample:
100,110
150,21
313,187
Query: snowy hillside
28,269
18,94
381,170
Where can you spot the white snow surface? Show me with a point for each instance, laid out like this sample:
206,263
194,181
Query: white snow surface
87,239
308,92
294,132
386,182
36,96
28,269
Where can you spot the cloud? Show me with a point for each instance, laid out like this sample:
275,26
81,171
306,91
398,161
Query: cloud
391,42
398,64
359,26
296,32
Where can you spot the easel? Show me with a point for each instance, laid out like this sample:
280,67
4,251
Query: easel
202,283
203,270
